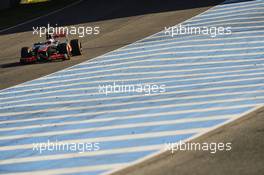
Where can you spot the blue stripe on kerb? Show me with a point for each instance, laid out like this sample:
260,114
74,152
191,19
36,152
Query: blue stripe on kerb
209,81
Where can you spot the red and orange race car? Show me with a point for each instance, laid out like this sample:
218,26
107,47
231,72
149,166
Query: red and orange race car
53,49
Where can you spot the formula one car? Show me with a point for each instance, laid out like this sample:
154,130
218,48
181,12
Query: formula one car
52,49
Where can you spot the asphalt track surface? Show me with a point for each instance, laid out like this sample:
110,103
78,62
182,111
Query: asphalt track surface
121,21
223,85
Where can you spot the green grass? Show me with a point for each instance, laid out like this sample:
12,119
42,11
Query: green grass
24,12
32,1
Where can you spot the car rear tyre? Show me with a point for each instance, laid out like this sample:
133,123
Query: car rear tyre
76,47
25,52
63,49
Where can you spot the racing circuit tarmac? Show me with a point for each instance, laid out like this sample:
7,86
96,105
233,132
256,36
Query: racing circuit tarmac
121,22
232,88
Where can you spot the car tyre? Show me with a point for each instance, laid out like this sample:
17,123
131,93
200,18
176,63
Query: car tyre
25,52
76,47
63,49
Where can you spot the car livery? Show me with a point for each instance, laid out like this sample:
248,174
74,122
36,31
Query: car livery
52,49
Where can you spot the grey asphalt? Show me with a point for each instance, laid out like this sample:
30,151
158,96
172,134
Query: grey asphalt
121,22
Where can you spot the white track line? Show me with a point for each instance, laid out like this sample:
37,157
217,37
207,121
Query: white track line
183,141
185,76
88,95
124,103
63,117
57,109
72,96
225,7
73,170
101,120
150,66
187,104
116,138
104,139
175,44
132,149
233,23
85,154
231,16
230,12
127,80
175,41
239,73
122,126
185,39
226,20
188,37
192,48
98,93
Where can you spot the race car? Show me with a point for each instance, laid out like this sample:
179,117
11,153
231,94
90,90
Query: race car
52,49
